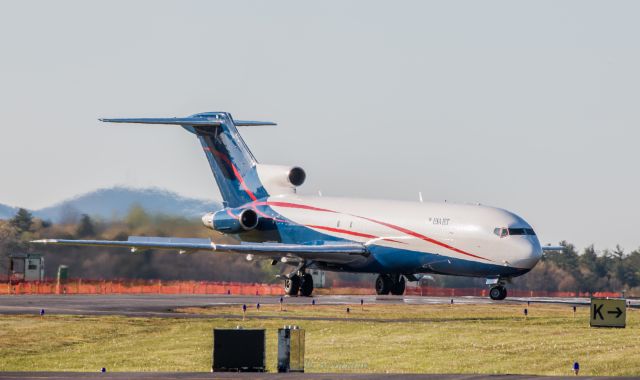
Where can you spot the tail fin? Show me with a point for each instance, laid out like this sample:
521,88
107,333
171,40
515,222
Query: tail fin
233,165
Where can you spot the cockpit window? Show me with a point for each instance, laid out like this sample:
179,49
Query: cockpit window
504,231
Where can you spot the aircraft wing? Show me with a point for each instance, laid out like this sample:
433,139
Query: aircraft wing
334,252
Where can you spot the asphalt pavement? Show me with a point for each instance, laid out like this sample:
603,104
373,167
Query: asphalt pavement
157,305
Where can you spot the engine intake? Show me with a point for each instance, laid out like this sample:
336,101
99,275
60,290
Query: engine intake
230,221
297,176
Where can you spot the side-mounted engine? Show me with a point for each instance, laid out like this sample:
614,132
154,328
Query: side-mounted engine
276,180
231,221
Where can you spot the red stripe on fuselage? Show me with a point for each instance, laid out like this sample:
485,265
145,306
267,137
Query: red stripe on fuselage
354,233
293,205
262,214
393,226
341,231
235,172
394,241
425,238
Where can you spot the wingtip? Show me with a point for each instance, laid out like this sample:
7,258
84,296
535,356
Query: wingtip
43,241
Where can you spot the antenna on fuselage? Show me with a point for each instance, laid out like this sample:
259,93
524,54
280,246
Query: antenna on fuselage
319,193
420,196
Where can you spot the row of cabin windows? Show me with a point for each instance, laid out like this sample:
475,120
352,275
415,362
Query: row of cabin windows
504,231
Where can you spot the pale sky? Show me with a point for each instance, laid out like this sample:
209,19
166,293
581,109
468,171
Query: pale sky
529,106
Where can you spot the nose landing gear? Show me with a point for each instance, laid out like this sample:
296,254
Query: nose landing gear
498,290
498,293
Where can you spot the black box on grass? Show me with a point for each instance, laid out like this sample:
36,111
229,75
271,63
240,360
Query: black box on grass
239,350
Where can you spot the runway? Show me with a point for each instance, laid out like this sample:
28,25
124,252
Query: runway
154,305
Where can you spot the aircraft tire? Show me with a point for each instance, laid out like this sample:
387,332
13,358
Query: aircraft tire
306,287
498,293
397,289
383,284
292,285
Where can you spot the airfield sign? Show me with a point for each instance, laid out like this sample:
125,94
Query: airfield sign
608,312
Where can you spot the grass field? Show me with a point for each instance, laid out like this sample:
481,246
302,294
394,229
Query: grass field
426,338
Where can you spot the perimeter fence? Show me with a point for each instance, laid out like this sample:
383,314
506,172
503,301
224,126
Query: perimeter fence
82,286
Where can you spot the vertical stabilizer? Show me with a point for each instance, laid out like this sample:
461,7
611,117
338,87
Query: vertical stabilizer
231,161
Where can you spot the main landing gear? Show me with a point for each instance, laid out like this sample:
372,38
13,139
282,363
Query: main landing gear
390,283
299,282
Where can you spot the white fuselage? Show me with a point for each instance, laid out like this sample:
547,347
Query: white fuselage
458,231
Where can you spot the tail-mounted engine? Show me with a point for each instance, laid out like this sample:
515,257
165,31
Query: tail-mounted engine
280,179
231,221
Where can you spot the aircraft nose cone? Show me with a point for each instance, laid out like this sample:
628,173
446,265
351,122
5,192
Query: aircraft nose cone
529,252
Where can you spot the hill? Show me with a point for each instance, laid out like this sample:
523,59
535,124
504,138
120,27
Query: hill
115,202
7,212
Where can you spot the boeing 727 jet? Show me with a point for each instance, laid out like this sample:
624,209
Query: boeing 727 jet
399,241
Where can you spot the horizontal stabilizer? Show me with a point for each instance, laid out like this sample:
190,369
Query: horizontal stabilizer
168,121
194,121
546,248
250,123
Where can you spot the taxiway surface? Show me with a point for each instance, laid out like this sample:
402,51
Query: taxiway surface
156,305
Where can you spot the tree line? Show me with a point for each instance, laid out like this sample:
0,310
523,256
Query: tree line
113,263
569,270
588,271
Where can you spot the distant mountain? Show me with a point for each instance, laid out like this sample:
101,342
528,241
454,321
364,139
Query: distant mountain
116,202
7,212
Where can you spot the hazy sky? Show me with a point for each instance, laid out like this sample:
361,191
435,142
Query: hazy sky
530,106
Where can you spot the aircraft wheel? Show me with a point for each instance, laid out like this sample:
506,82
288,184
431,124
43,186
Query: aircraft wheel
383,284
397,289
306,287
497,293
292,285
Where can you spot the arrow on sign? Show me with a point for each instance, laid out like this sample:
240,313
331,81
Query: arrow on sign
618,312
